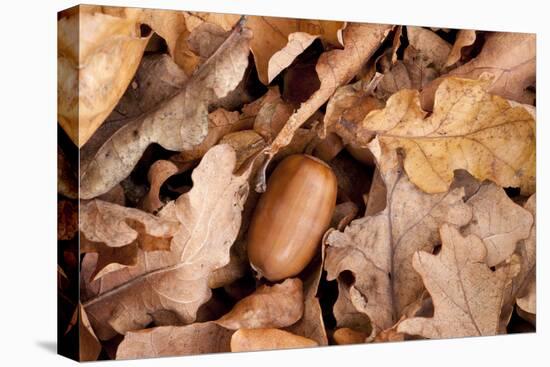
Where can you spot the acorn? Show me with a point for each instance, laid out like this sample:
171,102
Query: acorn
291,217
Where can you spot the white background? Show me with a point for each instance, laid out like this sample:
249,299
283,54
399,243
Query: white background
28,182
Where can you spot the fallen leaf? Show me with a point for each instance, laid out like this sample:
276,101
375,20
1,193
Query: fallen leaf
343,214
179,123
98,55
467,295
67,183
156,79
159,172
344,336
469,129
498,221
524,286
464,38
432,49
377,249
334,68
177,280
89,346
268,307
509,57
247,340
167,341
246,143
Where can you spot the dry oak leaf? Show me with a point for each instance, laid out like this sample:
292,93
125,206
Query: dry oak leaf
343,336
469,129
524,285
158,173
156,79
165,341
247,340
89,345
498,221
464,38
509,57
98,55
67,183
178,124
378,249
467,295
335,68
116,233
268,307
432,49
246,144
177,280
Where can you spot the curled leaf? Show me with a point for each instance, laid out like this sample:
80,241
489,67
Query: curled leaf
464,38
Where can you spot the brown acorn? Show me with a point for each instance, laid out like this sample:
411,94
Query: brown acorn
291,217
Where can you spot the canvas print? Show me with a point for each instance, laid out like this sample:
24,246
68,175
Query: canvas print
233,182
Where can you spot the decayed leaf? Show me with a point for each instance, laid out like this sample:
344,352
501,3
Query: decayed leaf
467,295
469,129
268,307
89,346
167,341
510,58
498,221
464,38
98,55
159,172
247,340
177,280
334,68
179,123
378,249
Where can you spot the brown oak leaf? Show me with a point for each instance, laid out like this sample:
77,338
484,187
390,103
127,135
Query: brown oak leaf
247,340
179,123
467,295
177,280
464,38
377,249
469,129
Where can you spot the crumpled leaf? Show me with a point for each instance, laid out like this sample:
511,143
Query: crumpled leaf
98,55
498,221
179,123
167,341
334,68
246,144
469,129
177,280
509,57
247,340
432,49
464,38
467,295
159,172
268,307
116,233
378,249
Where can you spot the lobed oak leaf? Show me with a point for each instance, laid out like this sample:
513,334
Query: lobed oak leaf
464,38
498,221
177,280
467,295
177,124
158,173
378,248
469,129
